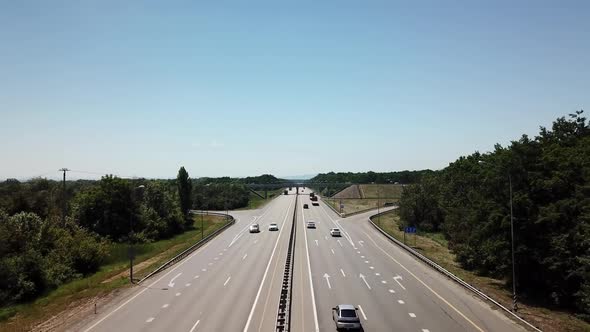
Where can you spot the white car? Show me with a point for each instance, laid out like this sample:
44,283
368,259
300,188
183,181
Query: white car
254,228
311,224
273,227
335,232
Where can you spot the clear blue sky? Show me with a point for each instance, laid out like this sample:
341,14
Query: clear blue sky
139,88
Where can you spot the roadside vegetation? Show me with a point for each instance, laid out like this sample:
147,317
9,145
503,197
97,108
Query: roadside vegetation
355,205
48,258
434,246
469,204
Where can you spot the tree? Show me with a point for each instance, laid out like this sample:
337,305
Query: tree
184,191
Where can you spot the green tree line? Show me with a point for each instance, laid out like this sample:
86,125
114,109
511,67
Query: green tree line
469,202
403,177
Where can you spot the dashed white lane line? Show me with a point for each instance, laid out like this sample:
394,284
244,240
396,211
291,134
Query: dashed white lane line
210,264
333,253
188,284
344,275
195,326
165,306
226,281
317,243
220,254
326,237
362,312
367,262
204,270
216,258
400,301
149,320
413,315
177,294
246,255
391,291
340,243
363,257
383,281
196,277
255,241
371,267
425,330
377,274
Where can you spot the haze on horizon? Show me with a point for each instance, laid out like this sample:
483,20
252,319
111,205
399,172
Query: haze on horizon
138,89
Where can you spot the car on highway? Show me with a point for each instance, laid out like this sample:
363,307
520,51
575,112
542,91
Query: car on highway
335,232
273,227
305,206
315,203
345,317
311,224
254,228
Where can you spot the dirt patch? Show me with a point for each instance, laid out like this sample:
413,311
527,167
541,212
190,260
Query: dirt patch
349,192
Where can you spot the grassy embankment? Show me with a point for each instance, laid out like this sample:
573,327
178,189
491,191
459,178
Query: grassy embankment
112,275
372,194
434,246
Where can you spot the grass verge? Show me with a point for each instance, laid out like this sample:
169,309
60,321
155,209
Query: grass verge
23,317
381,190
434,246
352,205
256,202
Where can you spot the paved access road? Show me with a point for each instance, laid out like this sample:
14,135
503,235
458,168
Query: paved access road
233,282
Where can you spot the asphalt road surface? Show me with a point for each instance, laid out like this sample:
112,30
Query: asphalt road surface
233,282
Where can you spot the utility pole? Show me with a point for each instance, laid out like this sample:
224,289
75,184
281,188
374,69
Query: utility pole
514,299
64,206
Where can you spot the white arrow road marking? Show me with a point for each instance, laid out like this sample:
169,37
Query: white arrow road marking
397,279
333,253
317,243
226,281
149,320
344,275
362,312
361,243
365,280
246,255
328,280
195,326
340,243
171,283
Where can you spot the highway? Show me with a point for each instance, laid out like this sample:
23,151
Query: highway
233,282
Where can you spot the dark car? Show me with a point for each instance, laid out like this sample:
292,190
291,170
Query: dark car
305,206
345,317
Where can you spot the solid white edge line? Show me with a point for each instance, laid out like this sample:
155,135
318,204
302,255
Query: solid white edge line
315,310
195,326
226,281
362,312
266,272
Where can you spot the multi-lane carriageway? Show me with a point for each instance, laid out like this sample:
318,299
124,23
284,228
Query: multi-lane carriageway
233,282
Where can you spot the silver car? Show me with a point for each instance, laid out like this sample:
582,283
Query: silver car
273,227
345,317
254,228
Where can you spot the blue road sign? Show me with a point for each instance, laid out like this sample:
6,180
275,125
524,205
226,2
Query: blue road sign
410,230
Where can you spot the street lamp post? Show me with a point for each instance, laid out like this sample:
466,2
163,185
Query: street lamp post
514,296
131,237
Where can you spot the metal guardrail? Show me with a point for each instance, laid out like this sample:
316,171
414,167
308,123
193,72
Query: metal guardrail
284,310
195,246
448,274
